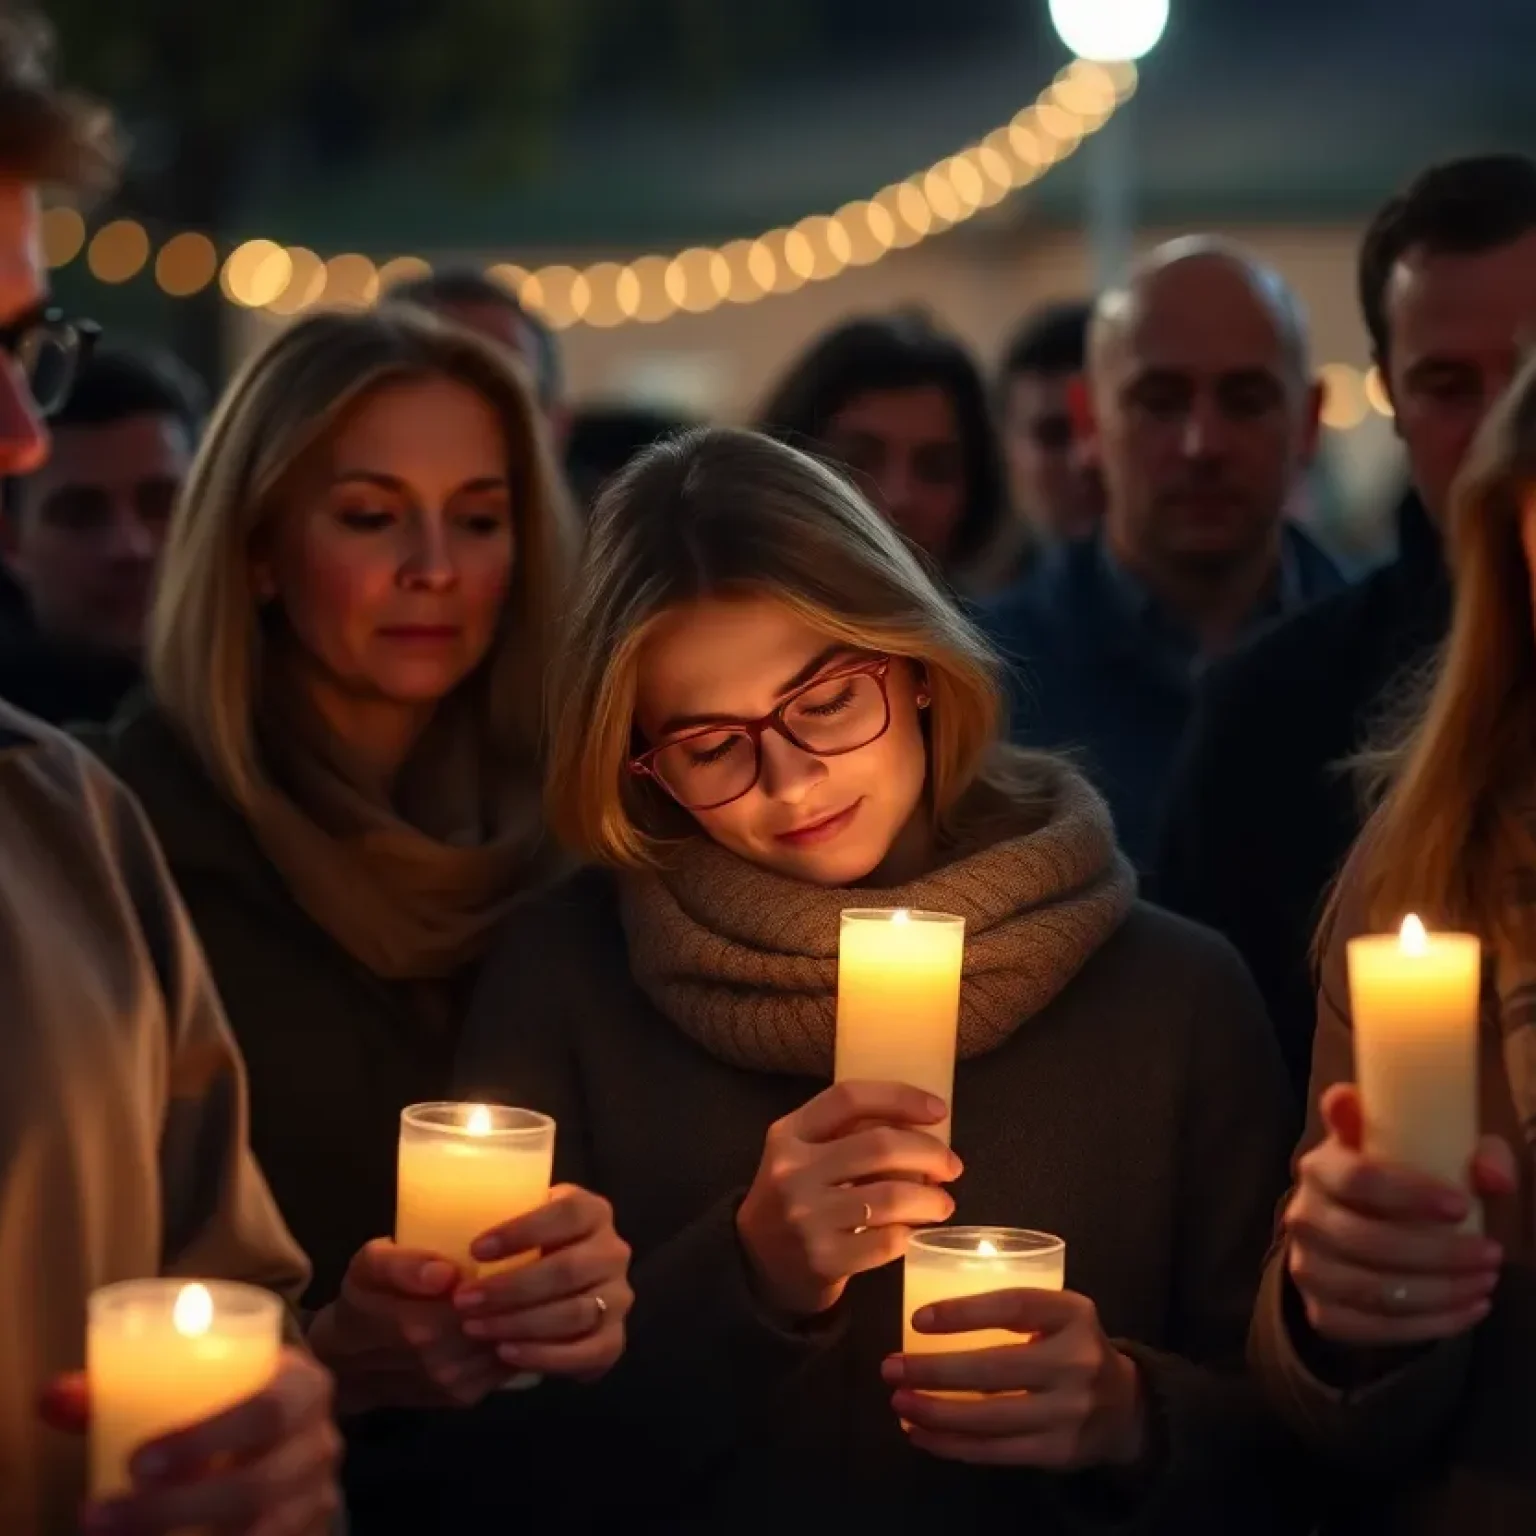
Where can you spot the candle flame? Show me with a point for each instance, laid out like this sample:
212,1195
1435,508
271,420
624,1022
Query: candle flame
899,915
479,1121
985,1249
1413,940
193,1313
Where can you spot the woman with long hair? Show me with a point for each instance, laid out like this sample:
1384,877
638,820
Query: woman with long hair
900,406
1392,1333
766,712
340,752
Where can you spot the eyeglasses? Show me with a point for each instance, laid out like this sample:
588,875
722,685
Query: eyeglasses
709,767
49,350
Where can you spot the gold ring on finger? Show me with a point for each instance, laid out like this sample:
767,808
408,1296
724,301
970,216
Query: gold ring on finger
869,1216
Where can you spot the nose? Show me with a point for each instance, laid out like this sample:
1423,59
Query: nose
893,487
24,439
430,566
1205,431
788,773
135,541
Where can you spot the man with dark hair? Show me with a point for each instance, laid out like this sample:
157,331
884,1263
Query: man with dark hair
472,299
1054,488
1263,813
82,534
123,1149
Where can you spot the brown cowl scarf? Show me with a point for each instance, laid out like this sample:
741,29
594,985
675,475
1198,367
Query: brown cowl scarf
745,961
412,886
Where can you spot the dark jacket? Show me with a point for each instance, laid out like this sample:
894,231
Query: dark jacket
1443,1444
333,1054
1099,671
1142,1115
1261,814
61,685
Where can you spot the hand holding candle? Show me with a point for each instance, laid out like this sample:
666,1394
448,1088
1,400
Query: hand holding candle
898,1000
224,1430
1003,1366
841,1184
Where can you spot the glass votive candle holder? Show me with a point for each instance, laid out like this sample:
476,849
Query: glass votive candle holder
162,1355
946,1263
465,1168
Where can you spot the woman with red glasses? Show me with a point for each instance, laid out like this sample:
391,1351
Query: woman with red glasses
766,712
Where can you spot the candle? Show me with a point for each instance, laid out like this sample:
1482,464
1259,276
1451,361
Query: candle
898,1000
465,1168
944,1263
165,1354
1414,999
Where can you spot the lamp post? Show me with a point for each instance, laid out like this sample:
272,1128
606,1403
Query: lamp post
1111,31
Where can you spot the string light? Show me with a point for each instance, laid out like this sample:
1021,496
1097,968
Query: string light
262,274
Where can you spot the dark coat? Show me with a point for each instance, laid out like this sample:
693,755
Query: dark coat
1142,1115
1261,814
333,1054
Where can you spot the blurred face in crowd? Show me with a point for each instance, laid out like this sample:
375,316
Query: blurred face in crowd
905,449
391,560
90,525
1053,485
1456,325
1203,421
23,289
827,820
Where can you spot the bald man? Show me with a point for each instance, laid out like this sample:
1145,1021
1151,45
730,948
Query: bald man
1204,420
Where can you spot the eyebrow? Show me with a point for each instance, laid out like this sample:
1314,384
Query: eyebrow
689,722
395,483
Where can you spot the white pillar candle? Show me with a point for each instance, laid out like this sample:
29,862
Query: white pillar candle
898,1000
465,1168
1414,1000
163,1355
946,1263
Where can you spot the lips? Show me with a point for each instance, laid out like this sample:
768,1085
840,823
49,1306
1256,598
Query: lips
421,632
821,830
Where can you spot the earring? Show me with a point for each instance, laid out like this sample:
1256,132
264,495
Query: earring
923,701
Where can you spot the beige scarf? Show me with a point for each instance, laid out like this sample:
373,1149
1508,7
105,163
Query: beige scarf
745,961
412,887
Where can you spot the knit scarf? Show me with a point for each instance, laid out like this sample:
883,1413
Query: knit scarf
745,961
412,885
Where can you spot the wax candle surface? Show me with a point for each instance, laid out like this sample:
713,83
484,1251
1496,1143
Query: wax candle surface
1414,1002
465,1168
944,1263
898,999
165,1354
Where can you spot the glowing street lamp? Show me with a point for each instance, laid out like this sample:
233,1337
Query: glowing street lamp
1108,31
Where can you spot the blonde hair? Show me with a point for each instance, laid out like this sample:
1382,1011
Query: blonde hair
1456,778
720,511
205,646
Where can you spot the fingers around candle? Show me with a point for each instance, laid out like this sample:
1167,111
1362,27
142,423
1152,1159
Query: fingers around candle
65,1403
1054,1448
1494,1169
1380,1189
558,1322
569,1272
1021,1310
833,1112
382,1266
1386,1247
1021,1413
1400,1294
1343,1114
1029,1366
300,1394
570,1215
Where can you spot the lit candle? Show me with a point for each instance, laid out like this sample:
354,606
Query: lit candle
945,1263
465,1168
1414,999
898,1000
165,1354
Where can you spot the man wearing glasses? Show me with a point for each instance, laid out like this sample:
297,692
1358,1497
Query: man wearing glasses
123,1150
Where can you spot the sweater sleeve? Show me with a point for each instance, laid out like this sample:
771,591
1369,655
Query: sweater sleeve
1212,1441
1354,1406
220,1217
